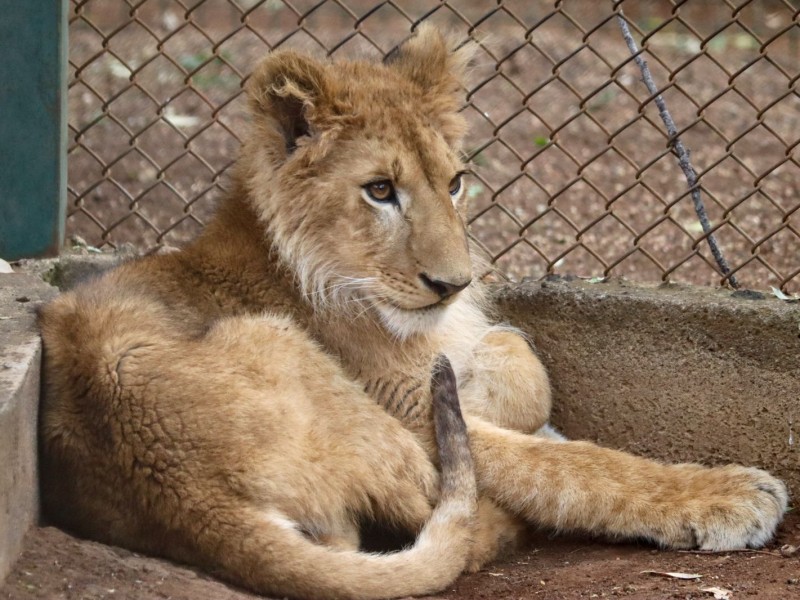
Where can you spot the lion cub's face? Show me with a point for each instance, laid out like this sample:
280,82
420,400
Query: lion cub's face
355,169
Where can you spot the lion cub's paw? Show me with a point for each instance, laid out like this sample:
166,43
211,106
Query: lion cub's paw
734,507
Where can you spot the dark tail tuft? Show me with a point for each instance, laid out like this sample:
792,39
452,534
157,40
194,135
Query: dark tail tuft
451,431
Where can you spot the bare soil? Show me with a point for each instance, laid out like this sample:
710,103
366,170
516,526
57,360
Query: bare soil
56,565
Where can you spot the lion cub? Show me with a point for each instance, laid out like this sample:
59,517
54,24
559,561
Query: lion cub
245,403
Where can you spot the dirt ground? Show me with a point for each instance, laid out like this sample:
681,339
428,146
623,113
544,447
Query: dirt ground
55,565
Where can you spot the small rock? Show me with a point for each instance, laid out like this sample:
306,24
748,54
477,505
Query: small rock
5,267
77,240
788,550
748,295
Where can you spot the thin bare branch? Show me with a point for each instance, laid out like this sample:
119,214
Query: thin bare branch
680,150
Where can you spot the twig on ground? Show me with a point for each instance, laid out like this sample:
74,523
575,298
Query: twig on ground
735,550
681,151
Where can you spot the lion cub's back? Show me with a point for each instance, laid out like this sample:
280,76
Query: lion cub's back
87,333
144,407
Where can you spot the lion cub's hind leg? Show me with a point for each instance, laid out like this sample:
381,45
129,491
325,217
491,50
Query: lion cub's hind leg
387,473
349,457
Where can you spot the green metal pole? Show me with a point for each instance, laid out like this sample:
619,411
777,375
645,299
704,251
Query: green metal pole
33,127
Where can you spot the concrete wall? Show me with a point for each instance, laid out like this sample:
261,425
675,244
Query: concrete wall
672,372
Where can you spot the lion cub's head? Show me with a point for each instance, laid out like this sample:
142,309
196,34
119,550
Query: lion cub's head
355,169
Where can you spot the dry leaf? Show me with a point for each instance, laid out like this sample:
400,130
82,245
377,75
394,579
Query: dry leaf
673,575
785,297
719,593
179,120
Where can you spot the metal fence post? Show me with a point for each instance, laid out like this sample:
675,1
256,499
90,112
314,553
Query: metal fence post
33,127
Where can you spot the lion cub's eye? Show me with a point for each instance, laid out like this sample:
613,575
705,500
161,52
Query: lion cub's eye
455,185
381,191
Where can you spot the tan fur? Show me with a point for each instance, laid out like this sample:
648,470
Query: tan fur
245,403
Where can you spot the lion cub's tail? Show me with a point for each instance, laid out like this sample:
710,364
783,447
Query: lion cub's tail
309,570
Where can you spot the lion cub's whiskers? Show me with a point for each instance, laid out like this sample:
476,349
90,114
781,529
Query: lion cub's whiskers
340,291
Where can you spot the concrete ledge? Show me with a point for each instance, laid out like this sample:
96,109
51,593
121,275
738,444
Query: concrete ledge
68,270
672,372
20,359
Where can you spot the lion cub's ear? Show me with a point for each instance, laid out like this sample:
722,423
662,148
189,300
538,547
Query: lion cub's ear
287,94
431,60
437,64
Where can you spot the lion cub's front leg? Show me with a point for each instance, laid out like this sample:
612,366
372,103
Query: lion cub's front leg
581,486
506,384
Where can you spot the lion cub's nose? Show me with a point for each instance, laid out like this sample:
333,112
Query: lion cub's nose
445,289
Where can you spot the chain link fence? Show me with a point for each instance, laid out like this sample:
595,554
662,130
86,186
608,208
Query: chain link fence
572,169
